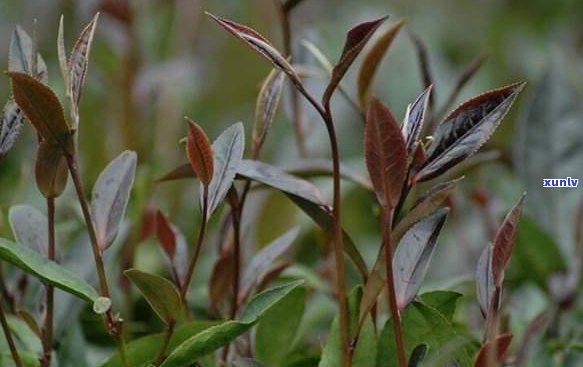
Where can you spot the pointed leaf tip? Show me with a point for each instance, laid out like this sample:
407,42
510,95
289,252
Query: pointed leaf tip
199,152
505,239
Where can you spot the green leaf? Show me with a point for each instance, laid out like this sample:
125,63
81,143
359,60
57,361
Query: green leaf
110,197
30,227
536,256
247,362
373,59
47,271
443,301
466,129
228,151
322,216
417,355
277,329
422,324
278,179
51,170
160,293
28,359
43,109
415,250
143,350
215,337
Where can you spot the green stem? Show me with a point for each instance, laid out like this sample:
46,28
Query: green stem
47,341
401,356
8,335
194,258
165,342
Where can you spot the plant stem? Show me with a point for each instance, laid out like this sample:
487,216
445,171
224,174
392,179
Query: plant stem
194,258
9,340
388,214
50,303
165,342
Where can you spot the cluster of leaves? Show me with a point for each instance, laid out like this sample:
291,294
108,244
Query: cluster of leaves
265,295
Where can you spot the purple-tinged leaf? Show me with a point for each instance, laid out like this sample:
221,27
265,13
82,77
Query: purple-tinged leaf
415,250
266,107
79,61
257,43
274,177
30,227
423,57
386,154
43,109
12,122
51,170
228,153
166,235
356,39
261,262
160,293
110,197
323,168
485,285
20,56
466,129
414,117
221,279
497,348
199,152
504,242
373,59
182,171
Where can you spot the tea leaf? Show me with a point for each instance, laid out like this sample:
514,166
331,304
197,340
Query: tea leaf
12,122
414,118
386,155
165,235
274,177
277,329
30,227
257,43
199,152
143,350
261,262
110,196
417,355
485,279
63,64
356,39
499,346
182,171
47,271
160,293
221,279
20,56
51,170
214,337
321,167
43,108
443,301
266,107
422,324
228,152
423,57
79,61
411,260
373,58
504,241
322,216
30,321
466,129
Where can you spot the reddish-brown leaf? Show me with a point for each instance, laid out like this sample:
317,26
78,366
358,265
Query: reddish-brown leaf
498,347
165,234
199,152
385,152
356,39
504,241
51,171
258,43
373,59
220,282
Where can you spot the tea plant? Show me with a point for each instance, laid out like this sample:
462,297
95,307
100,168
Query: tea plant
257,307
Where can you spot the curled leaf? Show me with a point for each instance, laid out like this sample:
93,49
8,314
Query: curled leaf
79,61
199,152
266,107
110,196
43,109
414,118
385,152
12,122
504,241
466,129
63,65
485,280
51,170
373,58
356,39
